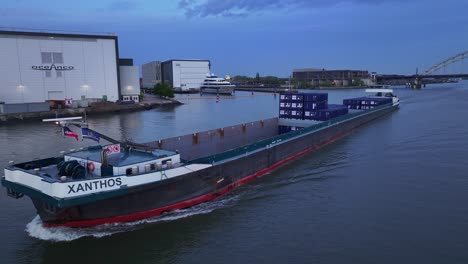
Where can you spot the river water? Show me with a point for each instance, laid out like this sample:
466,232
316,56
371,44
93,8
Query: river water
393,191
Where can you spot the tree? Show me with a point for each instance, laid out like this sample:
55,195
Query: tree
163,89
357,82
257,77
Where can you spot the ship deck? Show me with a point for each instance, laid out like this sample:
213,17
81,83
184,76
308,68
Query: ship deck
122,158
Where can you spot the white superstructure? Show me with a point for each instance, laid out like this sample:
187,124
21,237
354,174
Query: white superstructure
216,85
384,93
37,67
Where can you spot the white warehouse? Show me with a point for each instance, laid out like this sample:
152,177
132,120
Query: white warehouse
185,75
40,67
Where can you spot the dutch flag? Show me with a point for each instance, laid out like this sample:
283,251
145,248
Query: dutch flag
69,133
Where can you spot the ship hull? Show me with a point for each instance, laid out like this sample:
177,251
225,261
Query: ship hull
153,199
217,90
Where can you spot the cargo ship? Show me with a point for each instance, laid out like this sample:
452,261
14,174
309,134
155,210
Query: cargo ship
125,181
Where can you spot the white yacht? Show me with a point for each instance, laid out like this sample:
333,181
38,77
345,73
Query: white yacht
216,85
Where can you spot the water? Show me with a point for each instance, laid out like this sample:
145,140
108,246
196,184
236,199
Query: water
391,192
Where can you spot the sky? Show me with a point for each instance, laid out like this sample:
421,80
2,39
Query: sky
271,37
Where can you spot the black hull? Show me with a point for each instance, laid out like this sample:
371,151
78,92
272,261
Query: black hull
197,187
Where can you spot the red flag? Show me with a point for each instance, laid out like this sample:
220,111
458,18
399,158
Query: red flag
69,133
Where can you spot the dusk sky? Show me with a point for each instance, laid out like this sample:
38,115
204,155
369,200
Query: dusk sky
271,37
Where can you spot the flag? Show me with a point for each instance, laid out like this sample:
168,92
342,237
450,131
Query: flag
90,134
69,133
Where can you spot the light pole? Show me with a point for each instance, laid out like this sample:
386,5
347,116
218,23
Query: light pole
20,88
85,87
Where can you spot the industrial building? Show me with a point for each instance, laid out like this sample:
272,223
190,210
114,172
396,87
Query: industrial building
316,77
42,67
151,73
185,75
129,80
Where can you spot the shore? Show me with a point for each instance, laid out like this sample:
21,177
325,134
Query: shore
264,89
282,90
149,102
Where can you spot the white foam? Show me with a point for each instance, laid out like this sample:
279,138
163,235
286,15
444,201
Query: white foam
37,230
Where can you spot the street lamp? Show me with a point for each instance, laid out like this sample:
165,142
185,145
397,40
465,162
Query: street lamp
20,89
85,87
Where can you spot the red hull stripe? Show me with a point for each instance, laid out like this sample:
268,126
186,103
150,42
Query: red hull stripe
197,200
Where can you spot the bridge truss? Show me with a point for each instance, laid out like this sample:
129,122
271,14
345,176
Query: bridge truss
445,63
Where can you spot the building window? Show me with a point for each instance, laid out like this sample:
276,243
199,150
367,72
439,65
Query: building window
52,58
46,57
57,57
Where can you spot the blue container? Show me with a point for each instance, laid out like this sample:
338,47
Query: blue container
308,106
297,114
284,113
363,103
315,97
310,115
285,105
286,96
283,129
287,129
331,112
297,97
297,105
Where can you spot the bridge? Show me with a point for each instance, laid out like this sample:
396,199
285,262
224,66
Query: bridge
418,80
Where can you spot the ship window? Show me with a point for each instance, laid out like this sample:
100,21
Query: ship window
59,74
165,161
48,74
128,171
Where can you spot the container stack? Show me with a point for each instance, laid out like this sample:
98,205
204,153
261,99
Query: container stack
332,111
307,106
365,103
298,105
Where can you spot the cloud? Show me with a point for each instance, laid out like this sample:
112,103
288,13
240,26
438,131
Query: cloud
242,8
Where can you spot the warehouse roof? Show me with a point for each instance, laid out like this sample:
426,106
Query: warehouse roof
55,34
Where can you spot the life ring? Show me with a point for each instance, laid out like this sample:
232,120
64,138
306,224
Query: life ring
91,166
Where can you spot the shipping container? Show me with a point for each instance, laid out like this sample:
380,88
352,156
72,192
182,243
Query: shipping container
315,97
298,105
297,114
331,111
309,106
287,129
297,98
365,103
285,113
285,105
286,97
